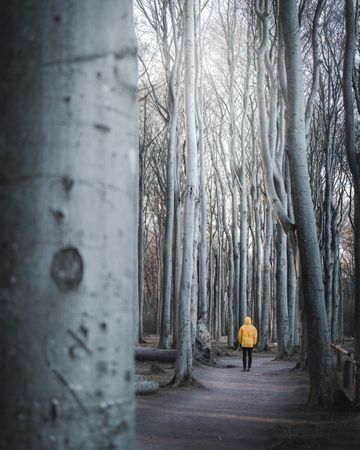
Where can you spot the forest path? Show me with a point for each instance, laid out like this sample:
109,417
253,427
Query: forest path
234,410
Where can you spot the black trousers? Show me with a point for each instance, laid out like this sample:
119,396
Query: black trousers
247,351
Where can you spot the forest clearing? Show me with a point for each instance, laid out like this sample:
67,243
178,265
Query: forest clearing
179,224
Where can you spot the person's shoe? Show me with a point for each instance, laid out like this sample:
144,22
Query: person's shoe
244,370
248,369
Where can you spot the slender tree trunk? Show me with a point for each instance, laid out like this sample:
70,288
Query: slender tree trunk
354,164
195,280
177,248
328,238
165,330
185,359
211,290
141,246
243,246
203,309
265,312
291,296
336,287
230,289
282,315
323,382
68,258
235,249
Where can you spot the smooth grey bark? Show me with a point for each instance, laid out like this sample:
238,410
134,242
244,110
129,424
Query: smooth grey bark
316,63
323,382
184,366
292,286
258,282
223,303
274,182
219,293
174,94
195,278
244,209
203,306
291,297
266,297
353,157
336,284
230,288
282,316
140,337
211,290
177,245
68,266
235,250
327,231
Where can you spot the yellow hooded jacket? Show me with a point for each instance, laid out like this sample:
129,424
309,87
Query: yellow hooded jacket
247,334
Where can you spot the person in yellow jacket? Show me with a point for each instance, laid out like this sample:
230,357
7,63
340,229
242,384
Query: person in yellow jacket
247,339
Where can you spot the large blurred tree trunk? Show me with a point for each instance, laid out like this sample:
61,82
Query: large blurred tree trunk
68,159
323,383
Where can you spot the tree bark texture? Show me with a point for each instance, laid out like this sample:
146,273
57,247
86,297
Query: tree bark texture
266,274
168,258
353,157
185,359
68,188
323,384
282,315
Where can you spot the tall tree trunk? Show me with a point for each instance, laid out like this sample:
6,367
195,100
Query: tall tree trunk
203,306
140,336
353,157
230,289
165,330
328,237
336,285
291,296
323,382
177,248
185,359
68,226
235,249
265,311
282,315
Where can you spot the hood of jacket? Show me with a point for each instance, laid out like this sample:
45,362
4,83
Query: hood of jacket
247,320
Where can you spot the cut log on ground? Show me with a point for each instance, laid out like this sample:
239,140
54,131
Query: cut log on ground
155,354
145,387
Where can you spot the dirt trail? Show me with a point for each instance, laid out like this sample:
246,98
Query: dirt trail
235,410
260,409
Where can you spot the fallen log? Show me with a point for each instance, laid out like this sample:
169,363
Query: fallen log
145,387
155,354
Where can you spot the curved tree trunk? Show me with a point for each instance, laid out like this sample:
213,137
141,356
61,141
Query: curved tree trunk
353,157
69,256
323,382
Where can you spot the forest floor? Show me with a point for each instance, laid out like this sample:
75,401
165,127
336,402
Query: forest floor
261,409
